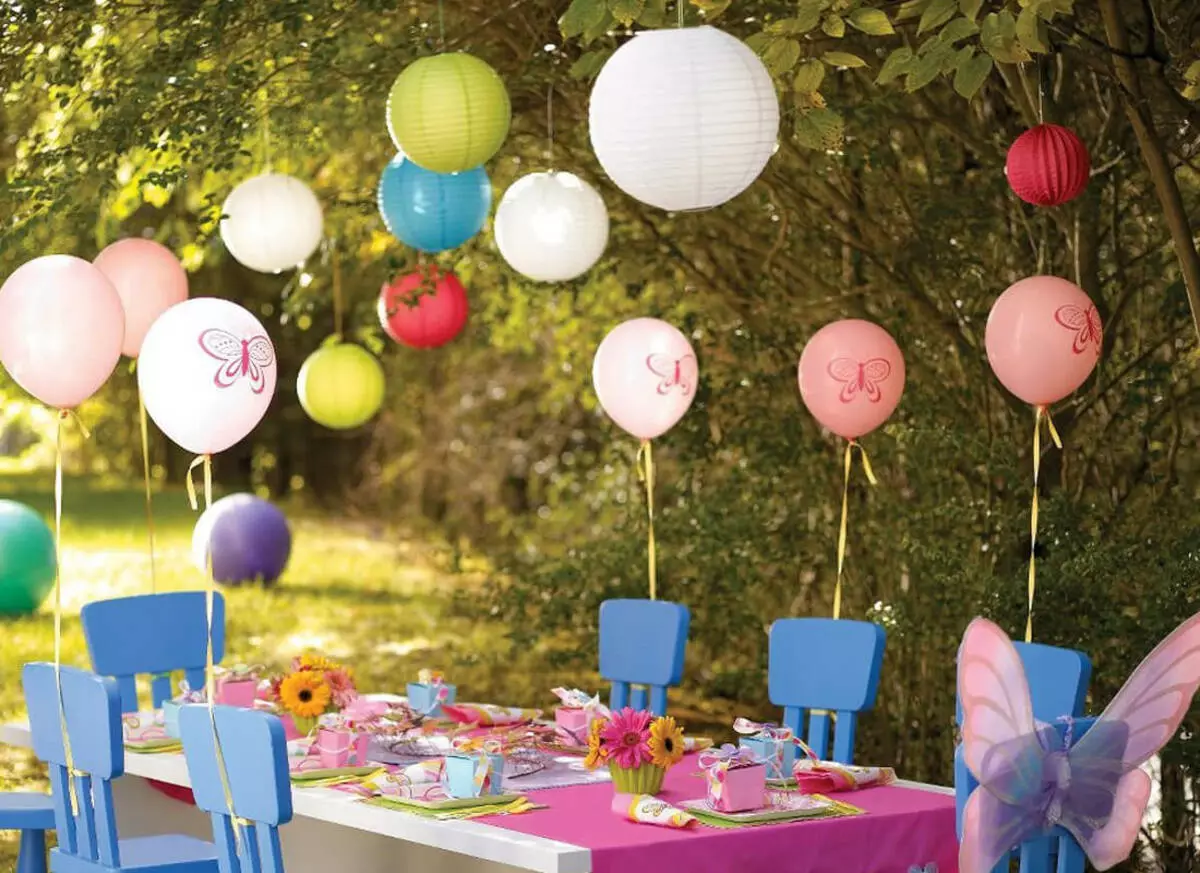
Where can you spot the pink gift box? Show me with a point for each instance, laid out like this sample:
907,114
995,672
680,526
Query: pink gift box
572,725
237,692
737,789
338,747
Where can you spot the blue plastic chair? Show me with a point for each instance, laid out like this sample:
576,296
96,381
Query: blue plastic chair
255,753
154,634
1058,685
825,666
87,835
642,645
32,814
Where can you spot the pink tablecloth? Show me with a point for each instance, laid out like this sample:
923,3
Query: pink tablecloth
904,828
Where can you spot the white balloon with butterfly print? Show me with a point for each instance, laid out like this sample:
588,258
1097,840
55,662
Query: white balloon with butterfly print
207,373
646,375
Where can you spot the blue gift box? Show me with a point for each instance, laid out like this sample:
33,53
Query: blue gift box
170,710
779,754
422,696
460,779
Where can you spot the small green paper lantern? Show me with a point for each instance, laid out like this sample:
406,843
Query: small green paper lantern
341,386
448,113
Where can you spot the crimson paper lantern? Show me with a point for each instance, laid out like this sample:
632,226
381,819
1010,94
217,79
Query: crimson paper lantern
425,309
1048,165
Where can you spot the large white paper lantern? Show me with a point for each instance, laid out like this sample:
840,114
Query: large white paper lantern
684,119
273,222
551,227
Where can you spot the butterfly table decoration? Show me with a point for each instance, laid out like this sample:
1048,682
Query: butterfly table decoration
1034,777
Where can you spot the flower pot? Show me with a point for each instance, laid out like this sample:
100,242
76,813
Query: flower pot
646,779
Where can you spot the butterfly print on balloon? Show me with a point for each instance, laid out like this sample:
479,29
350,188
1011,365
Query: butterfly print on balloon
674,372
860,377
240,358
1085,323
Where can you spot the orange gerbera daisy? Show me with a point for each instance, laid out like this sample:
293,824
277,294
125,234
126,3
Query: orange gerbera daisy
304,694
666,742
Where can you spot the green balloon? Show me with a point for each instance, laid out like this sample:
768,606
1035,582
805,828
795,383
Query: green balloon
26,559
448,113
341,386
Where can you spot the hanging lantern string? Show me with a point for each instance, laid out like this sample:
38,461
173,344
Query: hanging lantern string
679,9
72,773
841,548
441,12
145,429
266,132
337,290
1041,91
550,125
1042,414
645,466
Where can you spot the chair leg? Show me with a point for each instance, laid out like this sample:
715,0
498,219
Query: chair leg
31,857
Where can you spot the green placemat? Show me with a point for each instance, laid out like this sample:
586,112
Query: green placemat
323,775
757,818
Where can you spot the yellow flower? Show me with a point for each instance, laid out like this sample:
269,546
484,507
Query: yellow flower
666,742
597,754
321,664
304,693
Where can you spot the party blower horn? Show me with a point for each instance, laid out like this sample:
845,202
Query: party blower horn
646,375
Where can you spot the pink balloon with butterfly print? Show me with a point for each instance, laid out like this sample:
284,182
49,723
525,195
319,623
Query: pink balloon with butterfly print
207,373
646,375
851,377
1043,338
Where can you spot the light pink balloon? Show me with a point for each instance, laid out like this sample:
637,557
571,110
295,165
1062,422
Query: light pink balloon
61,326
1043,339
646,375
207,373
149,279
851,377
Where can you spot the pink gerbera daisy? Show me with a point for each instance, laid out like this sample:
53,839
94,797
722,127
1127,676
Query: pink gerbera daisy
626,735
342,687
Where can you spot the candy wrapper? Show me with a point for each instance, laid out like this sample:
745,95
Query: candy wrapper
647,809
776,744
737,778
827,777
576,713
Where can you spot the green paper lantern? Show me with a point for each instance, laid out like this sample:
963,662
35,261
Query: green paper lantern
448,113
26,559
341,386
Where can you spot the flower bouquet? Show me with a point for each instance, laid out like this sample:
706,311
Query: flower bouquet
316,686
637,748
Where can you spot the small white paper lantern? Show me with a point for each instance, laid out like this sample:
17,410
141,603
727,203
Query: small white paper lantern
273,222
551,227
684,119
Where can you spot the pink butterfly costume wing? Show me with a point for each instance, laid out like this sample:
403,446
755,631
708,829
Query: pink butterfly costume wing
1108,792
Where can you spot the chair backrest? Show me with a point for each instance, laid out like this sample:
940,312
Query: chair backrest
825,666
642,646
81,789
1058,685
155,635
254,750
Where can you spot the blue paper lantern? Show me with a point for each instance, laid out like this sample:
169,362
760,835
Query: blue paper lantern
431,211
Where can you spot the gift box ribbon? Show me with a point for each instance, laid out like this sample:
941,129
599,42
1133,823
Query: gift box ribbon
770,731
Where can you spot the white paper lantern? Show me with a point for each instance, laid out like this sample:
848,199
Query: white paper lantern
684,119
551,227
273,222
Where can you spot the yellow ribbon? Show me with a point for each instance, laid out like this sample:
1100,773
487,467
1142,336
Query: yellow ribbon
146,476
210,689
63,414
645,465
1043,414
841,550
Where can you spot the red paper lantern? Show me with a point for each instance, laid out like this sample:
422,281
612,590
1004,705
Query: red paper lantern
437,316
1048,165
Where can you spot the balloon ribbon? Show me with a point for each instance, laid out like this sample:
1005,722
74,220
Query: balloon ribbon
645,465
146,476
63,414
210,690
1042,414
841,549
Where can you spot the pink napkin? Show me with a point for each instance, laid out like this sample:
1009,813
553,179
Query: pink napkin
487,714
827,777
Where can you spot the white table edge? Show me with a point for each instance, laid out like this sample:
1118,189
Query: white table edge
464,837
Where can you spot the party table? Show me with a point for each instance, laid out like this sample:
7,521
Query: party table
906,826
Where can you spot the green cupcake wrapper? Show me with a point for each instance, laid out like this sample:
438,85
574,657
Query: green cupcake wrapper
646,779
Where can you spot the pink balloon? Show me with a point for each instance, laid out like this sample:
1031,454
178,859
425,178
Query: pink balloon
1043,339
149,279
646,374
207,374
851,377
61,326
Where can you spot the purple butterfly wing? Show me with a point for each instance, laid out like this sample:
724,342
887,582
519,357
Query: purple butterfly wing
991,828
